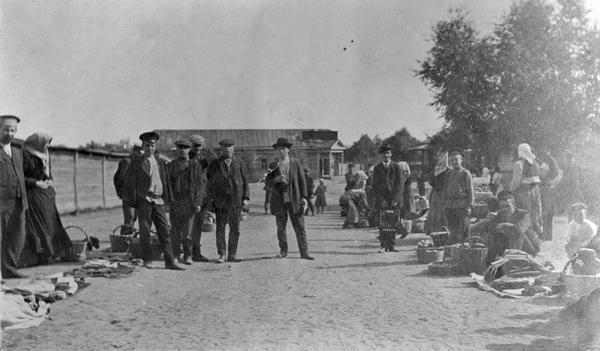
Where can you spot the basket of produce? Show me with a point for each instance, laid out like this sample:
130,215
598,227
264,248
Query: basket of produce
453,252
427,255
581,274
136,248
440,238
444,268
473,256
78,251
119,242
480,210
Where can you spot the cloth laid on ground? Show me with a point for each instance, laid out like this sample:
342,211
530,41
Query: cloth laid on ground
104,268
18,314
517,275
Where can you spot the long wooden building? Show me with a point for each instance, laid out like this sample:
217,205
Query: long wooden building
319,150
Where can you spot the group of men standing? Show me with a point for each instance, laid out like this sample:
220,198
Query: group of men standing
190,184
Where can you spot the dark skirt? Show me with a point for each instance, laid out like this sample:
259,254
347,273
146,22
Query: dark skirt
46,238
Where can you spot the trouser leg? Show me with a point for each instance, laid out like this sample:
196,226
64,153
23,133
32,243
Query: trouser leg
234,231
281,222
177,222
128,218
159,217
297,220
145,221
547,226
199,218
222,217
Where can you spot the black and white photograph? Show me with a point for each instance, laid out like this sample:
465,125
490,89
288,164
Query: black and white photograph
300,175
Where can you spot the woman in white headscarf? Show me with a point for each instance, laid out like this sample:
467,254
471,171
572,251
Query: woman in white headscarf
436,219
525,185
46,238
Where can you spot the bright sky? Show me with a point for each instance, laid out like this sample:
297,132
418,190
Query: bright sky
107,70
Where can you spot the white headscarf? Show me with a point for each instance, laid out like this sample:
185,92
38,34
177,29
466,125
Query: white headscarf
525,153
37,145
442,163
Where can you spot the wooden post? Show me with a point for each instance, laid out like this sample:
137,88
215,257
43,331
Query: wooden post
76,198
103,181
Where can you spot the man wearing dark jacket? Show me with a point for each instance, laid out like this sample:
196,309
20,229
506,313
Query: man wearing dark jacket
188,196
13,199
387,191
202,161
147,189
289,198
228,190
129,215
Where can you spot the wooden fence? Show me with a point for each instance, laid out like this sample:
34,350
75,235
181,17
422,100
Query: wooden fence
84,179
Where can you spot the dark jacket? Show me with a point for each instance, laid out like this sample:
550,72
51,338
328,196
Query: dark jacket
227,189
137,182
296,188
387,183
188,182
12,180
119,177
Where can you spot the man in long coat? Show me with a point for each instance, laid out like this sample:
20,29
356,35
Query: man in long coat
196,154
387,191
289,197
228,190
147,189
129,215
13,199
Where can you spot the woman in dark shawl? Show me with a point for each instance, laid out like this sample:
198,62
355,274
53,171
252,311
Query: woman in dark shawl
46,238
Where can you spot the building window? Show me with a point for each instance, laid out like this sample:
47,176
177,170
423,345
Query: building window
264,164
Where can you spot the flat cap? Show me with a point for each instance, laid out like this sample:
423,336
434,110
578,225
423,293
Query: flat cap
183,143
10,117
455,152
197,139
385,147
149,136
226,142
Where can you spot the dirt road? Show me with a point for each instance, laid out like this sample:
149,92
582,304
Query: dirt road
349,298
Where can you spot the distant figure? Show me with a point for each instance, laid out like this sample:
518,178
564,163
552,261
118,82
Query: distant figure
46,236
458,198
129,215
436,218
421,182
310,186
525,184
351,178
13,199
580,230
321,196
496,181
570,190
551,176
356,202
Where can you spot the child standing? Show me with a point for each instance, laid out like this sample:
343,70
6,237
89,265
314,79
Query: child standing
321,201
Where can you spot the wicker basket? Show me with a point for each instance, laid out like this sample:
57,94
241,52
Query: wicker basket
78,251
119,242
473,258
426,255
579,285
440,238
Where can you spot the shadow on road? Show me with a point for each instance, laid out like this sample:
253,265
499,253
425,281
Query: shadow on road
371,265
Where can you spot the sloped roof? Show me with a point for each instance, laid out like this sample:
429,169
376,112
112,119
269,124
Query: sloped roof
246,138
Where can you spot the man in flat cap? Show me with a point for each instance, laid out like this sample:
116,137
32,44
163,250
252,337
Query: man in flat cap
387,192
13,199
289,197
228,190
147,188
188,197
203,160
458,198
129,215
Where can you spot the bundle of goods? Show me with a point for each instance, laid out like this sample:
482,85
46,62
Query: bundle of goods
516,274
208,225
427,253
581,274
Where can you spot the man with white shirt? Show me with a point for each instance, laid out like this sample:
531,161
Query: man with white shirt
13,199
147,189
